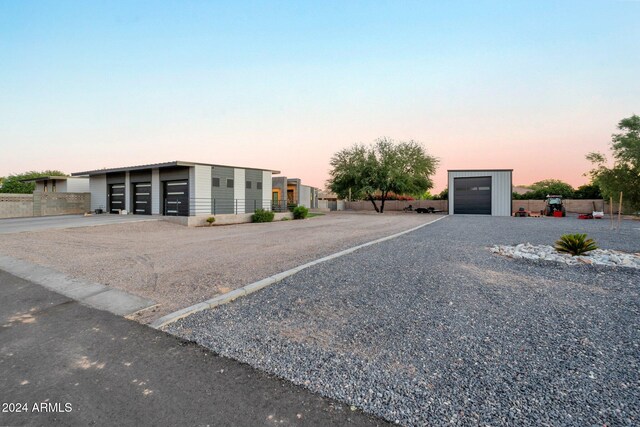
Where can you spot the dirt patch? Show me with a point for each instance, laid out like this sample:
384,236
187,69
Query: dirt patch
178,266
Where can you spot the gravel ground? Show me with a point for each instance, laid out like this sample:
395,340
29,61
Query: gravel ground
433,329
178,266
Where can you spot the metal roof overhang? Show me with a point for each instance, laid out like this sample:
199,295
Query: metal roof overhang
159,166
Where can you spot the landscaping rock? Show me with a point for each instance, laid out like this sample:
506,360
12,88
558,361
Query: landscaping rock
604,257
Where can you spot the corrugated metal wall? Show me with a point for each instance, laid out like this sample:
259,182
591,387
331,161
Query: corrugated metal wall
266,190
98,189
77,185
224,203
500,189
253,195
155,191
201,184
239,188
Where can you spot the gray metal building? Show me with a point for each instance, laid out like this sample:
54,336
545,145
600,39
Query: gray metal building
480,191
180,188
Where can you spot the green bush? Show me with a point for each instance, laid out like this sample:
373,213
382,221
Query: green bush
291,206
300,212
262,216
211,220
575,244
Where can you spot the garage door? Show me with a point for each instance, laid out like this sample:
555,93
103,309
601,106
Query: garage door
116,198
142,198
176,198
472,195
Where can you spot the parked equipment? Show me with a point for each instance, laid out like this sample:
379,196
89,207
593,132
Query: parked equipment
521,212
428,210
554,207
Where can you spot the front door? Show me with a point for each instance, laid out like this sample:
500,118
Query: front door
176,198
142,198
116,198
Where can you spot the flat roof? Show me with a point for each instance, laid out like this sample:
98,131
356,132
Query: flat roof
161,165
479,170
48,178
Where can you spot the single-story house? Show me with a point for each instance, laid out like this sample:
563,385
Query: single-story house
180,188
60,184
480,191
287,191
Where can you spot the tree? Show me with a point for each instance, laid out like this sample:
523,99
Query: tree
443,195
624,176
364,172
13,183
540,189
588,191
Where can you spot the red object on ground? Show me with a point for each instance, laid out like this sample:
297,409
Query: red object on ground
585,216
557,214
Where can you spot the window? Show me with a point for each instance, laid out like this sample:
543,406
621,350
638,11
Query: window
259,185
215,182
248,185
229,183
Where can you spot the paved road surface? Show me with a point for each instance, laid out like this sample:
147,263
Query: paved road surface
117,372
19,225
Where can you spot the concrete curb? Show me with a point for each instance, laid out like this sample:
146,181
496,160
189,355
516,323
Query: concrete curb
260,284
92,294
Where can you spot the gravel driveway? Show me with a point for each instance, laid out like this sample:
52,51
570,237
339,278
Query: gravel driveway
431,328
178,266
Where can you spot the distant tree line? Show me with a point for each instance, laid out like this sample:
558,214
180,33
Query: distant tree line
539,191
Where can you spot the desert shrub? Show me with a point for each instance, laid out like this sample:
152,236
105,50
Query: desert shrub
300,212
575,244
261,215
211,220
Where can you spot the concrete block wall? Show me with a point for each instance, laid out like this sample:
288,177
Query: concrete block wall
396,205
61,203
16,205
43,204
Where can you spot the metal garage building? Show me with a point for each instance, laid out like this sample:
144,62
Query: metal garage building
180,188
480,192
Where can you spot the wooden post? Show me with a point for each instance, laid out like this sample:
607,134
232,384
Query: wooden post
611,211
620,211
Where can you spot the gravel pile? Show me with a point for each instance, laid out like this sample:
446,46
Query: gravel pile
609,258
432,329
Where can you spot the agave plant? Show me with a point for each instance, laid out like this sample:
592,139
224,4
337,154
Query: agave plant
575,244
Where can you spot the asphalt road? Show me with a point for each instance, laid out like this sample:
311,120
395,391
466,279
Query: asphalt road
19,225
91,367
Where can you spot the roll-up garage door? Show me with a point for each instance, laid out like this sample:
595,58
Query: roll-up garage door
176,198
142,198
472,195
116,198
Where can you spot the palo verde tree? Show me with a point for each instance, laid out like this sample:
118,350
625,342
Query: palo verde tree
624,176
386,166
14,183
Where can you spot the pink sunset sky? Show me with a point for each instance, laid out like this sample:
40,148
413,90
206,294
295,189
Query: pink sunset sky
532,87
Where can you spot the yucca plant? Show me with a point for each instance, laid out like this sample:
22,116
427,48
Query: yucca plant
575,244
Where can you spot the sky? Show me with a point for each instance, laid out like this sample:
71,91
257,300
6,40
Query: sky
528,85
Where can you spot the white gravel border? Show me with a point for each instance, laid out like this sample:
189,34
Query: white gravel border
256,286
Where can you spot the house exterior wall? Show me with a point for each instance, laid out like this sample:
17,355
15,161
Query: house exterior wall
253,195
155,191
200,186
501,184
223,196
77,185
279,183
239,189
267,190
98,189
304,198
127,191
